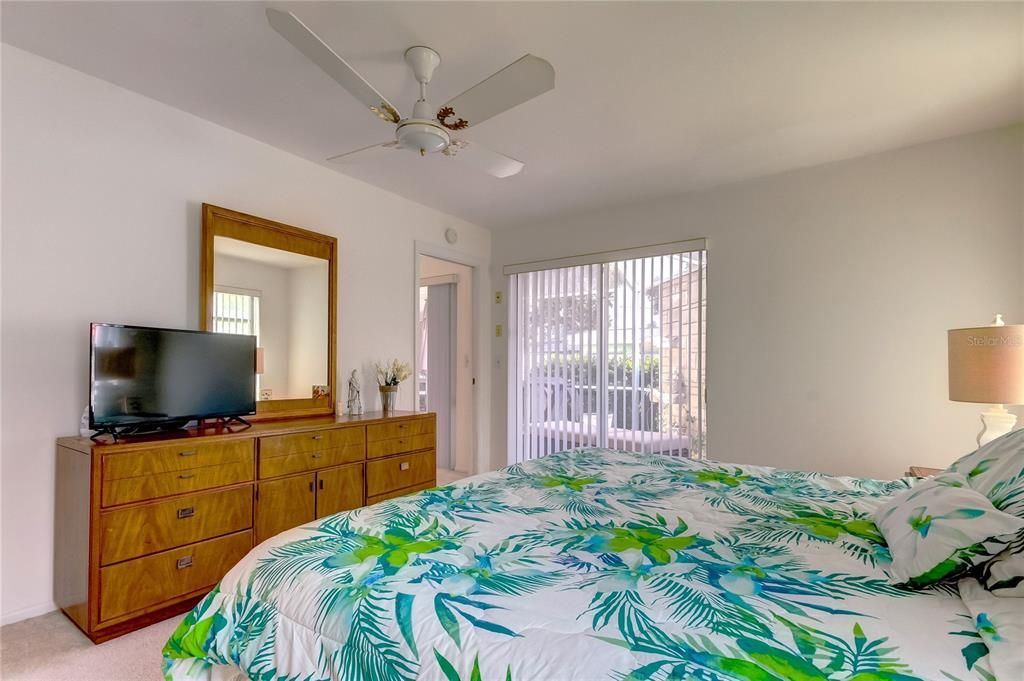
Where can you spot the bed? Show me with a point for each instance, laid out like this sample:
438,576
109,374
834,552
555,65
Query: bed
587,564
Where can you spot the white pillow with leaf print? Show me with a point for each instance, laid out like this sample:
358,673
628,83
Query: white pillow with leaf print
997,471
1000,626
1004,574
939,528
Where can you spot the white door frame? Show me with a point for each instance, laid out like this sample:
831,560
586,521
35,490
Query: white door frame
451,280
477,266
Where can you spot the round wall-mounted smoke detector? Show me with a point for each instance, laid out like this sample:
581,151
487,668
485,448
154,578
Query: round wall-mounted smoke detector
450,235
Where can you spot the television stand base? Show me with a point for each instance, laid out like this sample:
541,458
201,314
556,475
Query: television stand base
150,428
228,420
218,422
138,429
104,430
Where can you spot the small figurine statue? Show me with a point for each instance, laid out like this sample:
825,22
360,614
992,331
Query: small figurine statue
355,402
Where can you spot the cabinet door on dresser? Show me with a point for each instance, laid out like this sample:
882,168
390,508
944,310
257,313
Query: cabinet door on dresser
339,489
283,504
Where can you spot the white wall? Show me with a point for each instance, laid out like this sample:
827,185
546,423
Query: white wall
101,214
274,286
830,291
464,459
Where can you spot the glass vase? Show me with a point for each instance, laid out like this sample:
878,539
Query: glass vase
388,398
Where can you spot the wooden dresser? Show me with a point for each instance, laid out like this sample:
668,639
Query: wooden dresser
145,527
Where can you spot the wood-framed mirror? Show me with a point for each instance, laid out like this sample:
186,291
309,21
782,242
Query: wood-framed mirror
278,283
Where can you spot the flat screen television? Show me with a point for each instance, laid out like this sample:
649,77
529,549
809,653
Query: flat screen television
142,377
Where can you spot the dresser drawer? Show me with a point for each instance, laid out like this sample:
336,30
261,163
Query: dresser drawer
399,445
398,472
313,441
405,428
179,457
146,582
145,487
273,466
398,493
140,530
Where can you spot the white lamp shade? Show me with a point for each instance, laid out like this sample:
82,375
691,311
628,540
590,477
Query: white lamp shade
986,364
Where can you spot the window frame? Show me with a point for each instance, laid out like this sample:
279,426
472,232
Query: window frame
517,423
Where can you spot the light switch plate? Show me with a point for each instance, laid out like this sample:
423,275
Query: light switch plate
498,330
498,297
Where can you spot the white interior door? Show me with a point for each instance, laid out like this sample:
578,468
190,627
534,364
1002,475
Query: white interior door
440,346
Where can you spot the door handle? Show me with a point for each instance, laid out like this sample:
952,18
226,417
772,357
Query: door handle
321,484
184,562
311,486
186,512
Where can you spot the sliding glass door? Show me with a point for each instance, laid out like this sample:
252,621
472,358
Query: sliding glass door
609,354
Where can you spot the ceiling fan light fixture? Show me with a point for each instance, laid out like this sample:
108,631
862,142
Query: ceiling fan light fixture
423,136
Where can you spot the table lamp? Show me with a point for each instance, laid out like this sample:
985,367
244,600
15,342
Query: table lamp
986,365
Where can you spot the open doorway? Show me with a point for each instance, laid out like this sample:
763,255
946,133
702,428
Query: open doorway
444,361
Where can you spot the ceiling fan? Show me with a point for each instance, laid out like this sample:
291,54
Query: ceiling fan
427,131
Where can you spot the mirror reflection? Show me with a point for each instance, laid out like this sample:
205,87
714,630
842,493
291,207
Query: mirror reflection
281,298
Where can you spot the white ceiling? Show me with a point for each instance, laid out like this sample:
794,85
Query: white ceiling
650,99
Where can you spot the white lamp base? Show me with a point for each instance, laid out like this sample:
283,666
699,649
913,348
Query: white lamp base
995,422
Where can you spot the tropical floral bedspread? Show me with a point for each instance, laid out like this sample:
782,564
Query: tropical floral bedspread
589,564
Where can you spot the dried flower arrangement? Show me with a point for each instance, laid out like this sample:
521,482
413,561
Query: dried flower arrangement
392,373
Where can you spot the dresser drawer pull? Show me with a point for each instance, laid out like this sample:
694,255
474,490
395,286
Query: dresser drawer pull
186,512
318,437
403,426
186,476
404,466
318,455
188,452
184,562
402,442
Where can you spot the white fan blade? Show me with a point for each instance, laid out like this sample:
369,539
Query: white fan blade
518,82
481,158
318,52
385,145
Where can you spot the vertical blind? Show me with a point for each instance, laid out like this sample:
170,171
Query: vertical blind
609,354
236,312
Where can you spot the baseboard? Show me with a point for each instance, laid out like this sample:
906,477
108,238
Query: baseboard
26,613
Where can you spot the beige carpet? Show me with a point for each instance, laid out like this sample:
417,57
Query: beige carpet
446,477
51,648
